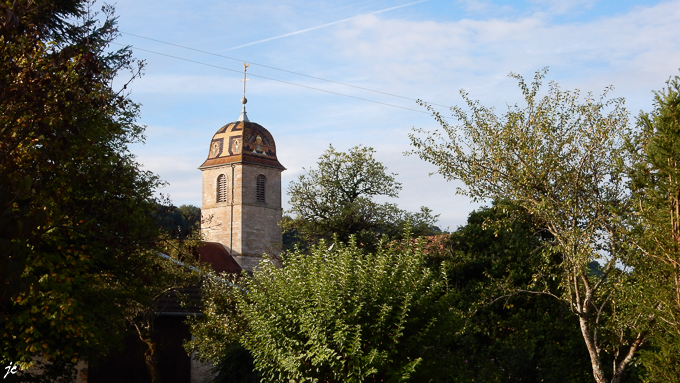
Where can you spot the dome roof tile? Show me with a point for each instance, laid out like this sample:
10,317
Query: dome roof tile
245,142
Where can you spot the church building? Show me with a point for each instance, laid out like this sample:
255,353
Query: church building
242,192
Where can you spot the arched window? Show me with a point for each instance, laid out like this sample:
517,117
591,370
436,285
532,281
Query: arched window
260,188
222,188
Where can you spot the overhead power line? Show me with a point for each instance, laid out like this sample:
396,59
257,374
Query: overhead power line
279,69
273,79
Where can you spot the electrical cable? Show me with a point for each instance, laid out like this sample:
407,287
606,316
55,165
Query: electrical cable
278,69
272,79
194,269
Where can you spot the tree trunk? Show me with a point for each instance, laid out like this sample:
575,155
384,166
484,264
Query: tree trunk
151,361
593,351
621,368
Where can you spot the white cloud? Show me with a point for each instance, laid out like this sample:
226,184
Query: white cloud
470,51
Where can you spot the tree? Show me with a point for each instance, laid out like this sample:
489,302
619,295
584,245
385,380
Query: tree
334,315
17,219
216,335
655,180
182,222
507,337
79,241
562,160
336,199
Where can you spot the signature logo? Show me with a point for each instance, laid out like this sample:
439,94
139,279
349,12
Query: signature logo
11,369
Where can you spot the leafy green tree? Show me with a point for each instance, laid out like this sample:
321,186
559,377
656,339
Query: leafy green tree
181,222
78,241
18,26
216,335
334,315
236,367
655,179
337,200
509,336
560,158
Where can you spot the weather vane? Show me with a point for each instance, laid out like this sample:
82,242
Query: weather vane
244,116
245,68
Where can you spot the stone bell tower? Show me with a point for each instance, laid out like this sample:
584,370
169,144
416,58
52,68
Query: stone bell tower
242,192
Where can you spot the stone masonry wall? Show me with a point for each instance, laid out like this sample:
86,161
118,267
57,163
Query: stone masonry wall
255,229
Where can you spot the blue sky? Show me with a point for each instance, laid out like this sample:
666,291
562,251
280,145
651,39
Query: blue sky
416,50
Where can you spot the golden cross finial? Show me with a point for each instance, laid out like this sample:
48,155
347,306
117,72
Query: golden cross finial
245,67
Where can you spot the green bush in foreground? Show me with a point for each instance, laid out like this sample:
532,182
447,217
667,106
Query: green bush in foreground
335,315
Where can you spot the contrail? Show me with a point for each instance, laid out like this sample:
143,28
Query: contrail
324,25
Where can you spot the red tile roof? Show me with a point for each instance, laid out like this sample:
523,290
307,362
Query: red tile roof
218,257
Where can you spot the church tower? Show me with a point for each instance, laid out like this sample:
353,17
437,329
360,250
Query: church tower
242,192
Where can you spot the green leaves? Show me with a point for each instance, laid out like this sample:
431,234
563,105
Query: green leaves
508,335
562,158
655,181
336,315
78,239
337,199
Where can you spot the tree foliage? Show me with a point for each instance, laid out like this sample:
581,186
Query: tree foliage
508,336
336,199
181,222
216,335
655,180
334,315
78,232
562,159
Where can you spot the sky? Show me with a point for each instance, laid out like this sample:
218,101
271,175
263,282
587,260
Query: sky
399,51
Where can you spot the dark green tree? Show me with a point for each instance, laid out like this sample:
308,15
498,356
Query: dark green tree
181,222
79,242
336,199
655,179
510,334
22,26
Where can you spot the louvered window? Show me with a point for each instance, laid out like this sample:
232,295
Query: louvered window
222,188
260,188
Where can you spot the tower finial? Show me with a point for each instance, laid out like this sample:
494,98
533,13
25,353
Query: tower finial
244,100
245,68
